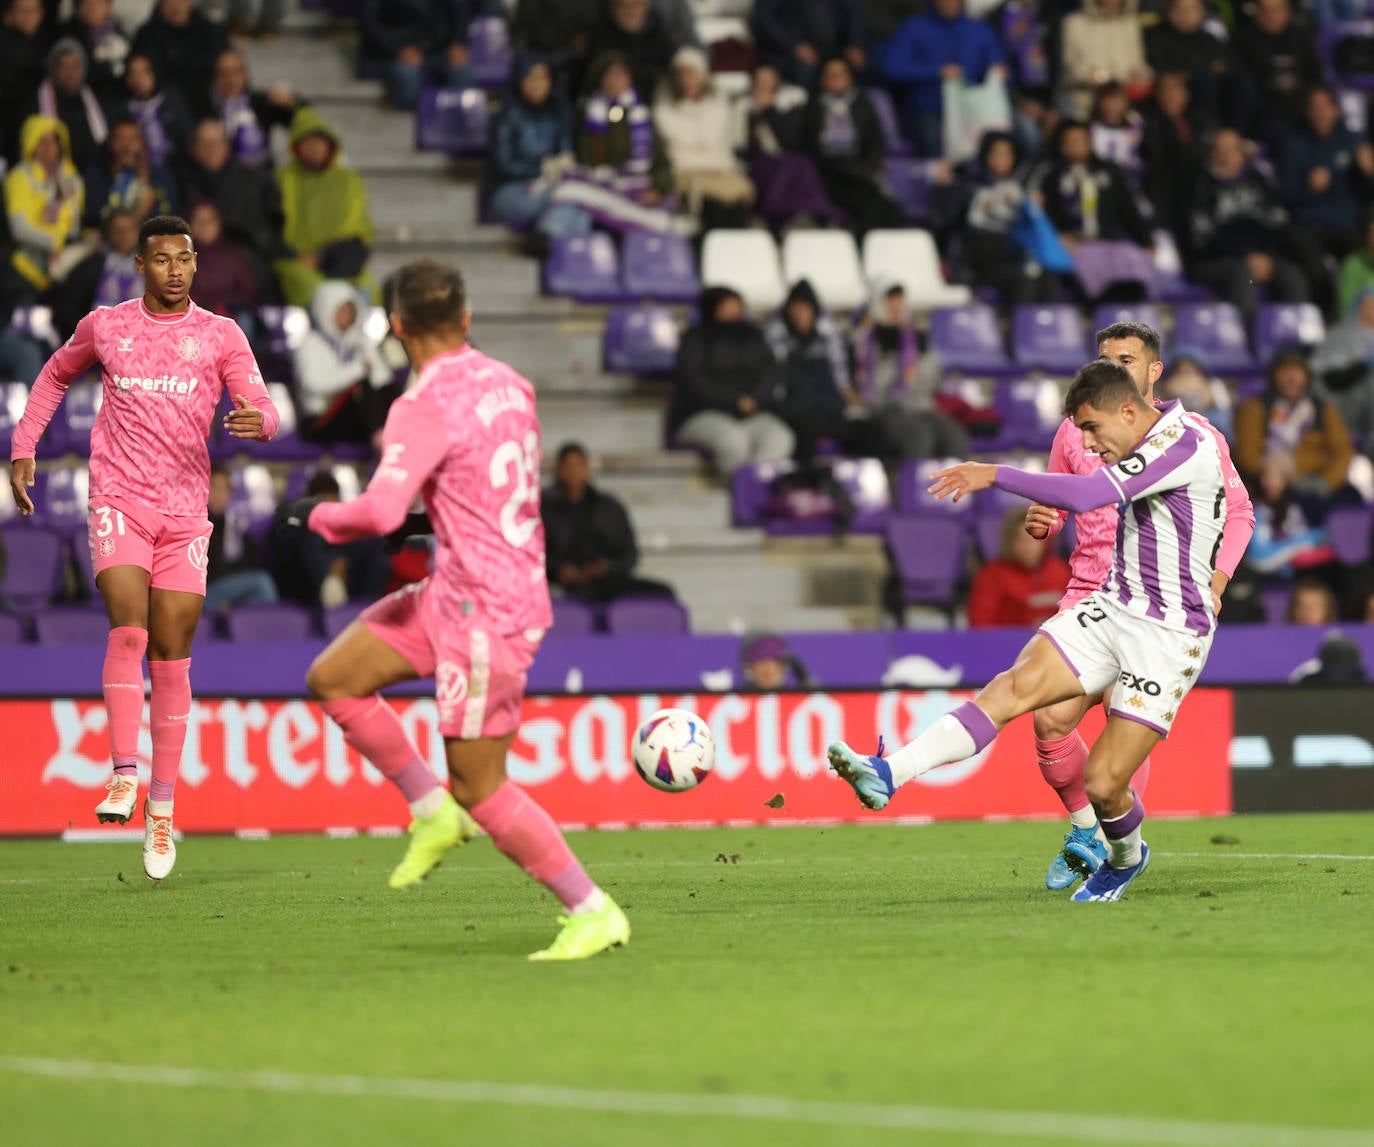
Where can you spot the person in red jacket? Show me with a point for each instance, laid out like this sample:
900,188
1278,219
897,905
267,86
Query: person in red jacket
1022,587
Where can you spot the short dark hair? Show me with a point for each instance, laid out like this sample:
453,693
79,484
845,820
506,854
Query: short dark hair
1103,385
322,482
429,296
1130,329
569,448
162,225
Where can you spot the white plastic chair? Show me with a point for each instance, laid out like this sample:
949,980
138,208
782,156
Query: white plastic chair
747,262
829,260
910,257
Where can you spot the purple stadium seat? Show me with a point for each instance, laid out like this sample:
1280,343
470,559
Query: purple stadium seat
1032,411
909,181
914,499
1275,601
897,143
33,576
35,322
1279,325
863,479
1109,313
452,120
988,532
640,340
1170,284
252,495
77,416
269,623
11,629
14,396
866,482
1218,332
585,267
340,617
573,618
1350,529
489,50
659,267
749,491
1050,337
928,556
79,625
968,339
654,615
61,499
287,446
283,329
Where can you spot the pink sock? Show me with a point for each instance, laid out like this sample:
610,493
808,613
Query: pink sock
169,708
1061,764
526,833
371,726
1141,781
122,682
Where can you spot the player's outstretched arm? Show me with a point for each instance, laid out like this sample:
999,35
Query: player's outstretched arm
255,415
68,362
1075,492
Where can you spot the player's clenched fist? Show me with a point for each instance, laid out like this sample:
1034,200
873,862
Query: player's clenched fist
21,478
1040,520
245,421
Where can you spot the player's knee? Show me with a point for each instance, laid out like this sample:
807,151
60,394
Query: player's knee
1103,789
324,682
1052,725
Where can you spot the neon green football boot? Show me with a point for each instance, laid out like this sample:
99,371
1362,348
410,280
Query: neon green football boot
431,838
588,934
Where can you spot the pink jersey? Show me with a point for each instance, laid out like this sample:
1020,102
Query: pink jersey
163,377
465,437
1095,531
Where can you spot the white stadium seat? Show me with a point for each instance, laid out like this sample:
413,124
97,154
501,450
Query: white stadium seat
745,261
829,260
910,257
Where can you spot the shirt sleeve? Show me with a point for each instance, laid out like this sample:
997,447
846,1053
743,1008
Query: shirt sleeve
240,375
72,359
414,443
1076,492
1240,512
1162,462
1059,464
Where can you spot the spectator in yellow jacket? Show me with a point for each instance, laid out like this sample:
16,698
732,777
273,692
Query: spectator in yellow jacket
44,198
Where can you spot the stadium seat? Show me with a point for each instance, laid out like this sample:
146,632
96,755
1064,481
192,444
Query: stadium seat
928,557
251,494
747,262
452,120
1279,325
1050,337
640,340
11,629
659,267
897,143
71,625
909,182
829,261
1350,529
282,622
988,534
1274,598
33,575
35,322
863,479
1109,313
1218,332
489,49
969,339
661,616
914,498
573,618
584,267
283,329
339,617
1032,410
77,415
13,398
1170,284
61,499
910,257
749,491
287,446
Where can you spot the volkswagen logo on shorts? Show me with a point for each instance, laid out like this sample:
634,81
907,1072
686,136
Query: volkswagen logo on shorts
197,553
450,689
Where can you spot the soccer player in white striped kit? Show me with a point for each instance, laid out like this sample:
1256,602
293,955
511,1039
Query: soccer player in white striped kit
1147,631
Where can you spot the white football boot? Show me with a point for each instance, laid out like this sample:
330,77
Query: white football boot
159,848
118,807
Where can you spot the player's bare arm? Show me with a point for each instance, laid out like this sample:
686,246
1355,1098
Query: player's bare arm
965,478
21,478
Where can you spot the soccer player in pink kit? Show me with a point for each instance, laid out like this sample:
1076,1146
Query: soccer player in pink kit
165,363
1059,747
465,438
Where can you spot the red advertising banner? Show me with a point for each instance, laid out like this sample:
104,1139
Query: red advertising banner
281,766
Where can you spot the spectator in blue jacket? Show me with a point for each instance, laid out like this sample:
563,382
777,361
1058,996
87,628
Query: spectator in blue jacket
530,139
419,40
1325,175
926,51
796,35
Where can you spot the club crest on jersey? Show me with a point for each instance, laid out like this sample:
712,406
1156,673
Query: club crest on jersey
189,348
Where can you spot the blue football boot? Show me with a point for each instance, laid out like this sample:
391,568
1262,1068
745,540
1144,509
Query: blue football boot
869,777
1108,883
1086,856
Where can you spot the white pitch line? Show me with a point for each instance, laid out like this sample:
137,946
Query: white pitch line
1072,1126
1222,853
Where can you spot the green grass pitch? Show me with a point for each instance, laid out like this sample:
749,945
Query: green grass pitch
876,984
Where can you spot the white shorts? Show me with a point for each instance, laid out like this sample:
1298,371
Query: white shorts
1148,668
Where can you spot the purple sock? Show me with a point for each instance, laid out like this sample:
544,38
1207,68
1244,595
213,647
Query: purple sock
977,723
1123,835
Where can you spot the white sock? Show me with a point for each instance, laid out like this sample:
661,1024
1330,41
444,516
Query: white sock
159,808
1084,817
594,903
1124,853
944,742
428,804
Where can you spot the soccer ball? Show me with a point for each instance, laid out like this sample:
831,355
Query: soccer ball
674,750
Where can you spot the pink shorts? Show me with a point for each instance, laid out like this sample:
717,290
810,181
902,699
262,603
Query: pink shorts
174,551
479,677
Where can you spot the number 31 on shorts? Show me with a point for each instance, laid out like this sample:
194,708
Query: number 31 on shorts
108,521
